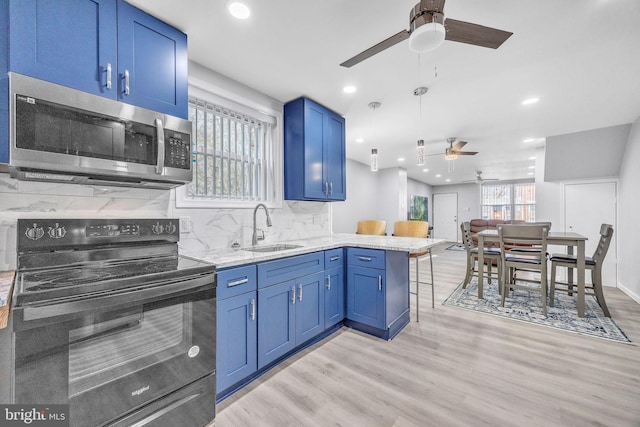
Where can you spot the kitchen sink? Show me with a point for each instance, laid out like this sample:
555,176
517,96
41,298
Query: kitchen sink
272,248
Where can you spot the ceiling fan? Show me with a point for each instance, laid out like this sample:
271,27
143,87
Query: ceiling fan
428,28
453,151
479,179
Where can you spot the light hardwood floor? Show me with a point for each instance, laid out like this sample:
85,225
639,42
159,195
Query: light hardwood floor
453,368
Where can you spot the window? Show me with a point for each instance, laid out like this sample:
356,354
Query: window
233,154
509,201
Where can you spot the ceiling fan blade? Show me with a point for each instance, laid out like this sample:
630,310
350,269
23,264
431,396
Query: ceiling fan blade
391,41
478,35
459,145
466,153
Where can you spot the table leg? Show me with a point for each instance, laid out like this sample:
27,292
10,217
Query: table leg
480,266
580,267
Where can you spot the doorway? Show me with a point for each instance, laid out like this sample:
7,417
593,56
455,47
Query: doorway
586,207
445,216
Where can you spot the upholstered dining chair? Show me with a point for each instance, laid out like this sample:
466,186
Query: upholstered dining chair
534,259
593,263
417,229
490,255
376,227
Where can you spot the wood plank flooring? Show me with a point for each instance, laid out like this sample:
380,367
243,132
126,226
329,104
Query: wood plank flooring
453,368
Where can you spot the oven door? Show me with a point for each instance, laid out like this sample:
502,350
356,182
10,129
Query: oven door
108,356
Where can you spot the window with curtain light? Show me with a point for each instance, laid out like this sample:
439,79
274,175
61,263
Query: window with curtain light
504,201
233,158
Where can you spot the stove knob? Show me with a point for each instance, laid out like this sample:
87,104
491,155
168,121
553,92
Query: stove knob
57,232
170,228
157,228
34,233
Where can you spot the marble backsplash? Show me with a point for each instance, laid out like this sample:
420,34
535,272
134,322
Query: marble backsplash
210,228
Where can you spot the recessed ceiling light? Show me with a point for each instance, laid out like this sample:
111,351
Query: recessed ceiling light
238,10
359,140
530,101
401,159
349,89
438,176
448,180
425,170
532,158
529,140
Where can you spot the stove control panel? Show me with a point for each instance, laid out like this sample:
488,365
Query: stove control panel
34,233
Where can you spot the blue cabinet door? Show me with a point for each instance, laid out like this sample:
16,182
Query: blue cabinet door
315,185
334,296
309,307
71,43
236,339
366,296
335,155
276,326
154,57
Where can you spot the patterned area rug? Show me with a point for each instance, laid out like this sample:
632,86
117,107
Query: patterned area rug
456,247
526,306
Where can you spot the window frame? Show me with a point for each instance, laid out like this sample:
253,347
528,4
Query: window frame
273,160
511,206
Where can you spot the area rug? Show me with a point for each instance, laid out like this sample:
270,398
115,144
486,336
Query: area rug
456,247
526,306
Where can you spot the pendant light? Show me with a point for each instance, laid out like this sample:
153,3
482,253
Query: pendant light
374,151
419,92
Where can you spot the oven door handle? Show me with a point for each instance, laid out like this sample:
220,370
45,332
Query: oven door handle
110,301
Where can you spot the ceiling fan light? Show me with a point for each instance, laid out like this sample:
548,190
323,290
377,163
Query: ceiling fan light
427,37
450,156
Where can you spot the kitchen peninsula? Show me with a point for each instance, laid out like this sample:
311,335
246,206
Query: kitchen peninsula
273,300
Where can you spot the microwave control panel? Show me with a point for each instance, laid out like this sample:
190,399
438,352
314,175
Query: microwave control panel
177,150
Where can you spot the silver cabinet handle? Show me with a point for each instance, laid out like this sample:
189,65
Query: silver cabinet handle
330,188
326,188
293,295
127,89
253,309
300,289
238,282
380,283
328,282
364,258
160,130
334,258
108,75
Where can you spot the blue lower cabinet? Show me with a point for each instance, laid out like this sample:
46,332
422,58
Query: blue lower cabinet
334,296
276,328
236,339
309,307
366,296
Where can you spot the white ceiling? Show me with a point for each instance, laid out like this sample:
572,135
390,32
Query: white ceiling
581,58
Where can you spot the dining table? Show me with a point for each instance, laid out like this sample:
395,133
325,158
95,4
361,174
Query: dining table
569,239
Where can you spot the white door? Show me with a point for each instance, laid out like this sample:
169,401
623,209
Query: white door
445,216
586,207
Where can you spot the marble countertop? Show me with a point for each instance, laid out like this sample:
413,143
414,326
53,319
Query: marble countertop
224,258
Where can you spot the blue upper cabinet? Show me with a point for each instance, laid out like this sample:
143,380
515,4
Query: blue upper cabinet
93,45
314,153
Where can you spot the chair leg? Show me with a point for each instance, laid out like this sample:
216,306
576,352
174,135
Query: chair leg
543,285
596,280
433,285
469,274
417,289
552,287
489,262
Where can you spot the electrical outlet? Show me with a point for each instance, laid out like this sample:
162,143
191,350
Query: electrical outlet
185,224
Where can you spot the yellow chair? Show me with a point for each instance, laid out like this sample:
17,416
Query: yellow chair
417,229
376,227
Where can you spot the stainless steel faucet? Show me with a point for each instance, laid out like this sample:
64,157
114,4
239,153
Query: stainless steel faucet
255,238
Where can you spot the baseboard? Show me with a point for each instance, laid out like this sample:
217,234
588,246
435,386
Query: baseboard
629,293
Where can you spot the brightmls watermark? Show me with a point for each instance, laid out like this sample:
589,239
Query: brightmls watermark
34,415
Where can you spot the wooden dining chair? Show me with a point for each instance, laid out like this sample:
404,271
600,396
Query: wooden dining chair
375,227
417,229
593,263
490,254
534,259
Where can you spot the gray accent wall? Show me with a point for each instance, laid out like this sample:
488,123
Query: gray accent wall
590,154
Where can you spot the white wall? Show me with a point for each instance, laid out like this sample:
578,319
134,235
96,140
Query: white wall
549,196
362,198
589,154
629,206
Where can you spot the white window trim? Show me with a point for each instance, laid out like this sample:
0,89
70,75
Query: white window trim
273,160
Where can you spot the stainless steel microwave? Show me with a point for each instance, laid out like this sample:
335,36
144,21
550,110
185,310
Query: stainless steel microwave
61,134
